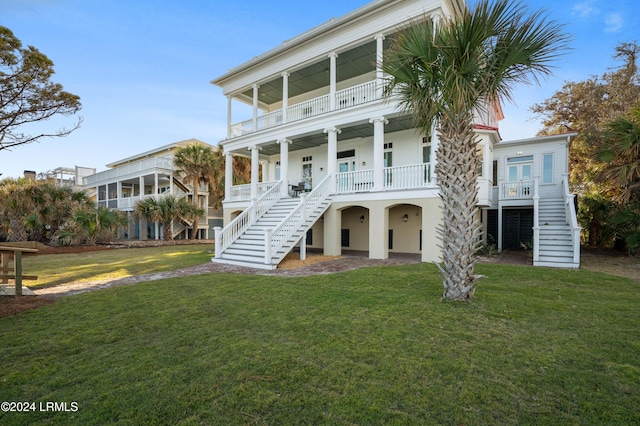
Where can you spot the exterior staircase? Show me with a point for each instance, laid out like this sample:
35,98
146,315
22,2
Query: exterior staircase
267,238
556,235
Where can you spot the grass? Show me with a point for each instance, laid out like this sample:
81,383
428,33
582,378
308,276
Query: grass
111,264
373,346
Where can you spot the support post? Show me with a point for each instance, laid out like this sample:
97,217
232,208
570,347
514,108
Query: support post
267,246
285,95
332,80
255,159
228,175
229,119
379,57
218,241
255,107
378,152
284,166
332,156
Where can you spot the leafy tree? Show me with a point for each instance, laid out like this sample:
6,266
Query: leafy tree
443,72
27,94
166,210
587,107
197,163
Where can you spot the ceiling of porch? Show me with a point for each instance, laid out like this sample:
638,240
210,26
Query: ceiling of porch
352,63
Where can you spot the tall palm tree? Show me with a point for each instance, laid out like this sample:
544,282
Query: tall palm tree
443,71
197,163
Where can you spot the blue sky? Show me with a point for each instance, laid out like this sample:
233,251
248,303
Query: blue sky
142,67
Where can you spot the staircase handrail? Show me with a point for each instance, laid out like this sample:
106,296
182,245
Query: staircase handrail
276,238
226,236
570,210
536,220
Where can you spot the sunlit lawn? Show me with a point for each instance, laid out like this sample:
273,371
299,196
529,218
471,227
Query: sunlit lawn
112,264
367,347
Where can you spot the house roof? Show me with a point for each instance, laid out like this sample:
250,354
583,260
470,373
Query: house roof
154,152
457,6
569,137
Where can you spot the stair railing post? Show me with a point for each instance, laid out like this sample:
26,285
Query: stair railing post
536,221
218,243
267,246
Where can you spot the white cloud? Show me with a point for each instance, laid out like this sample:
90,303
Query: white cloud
614,23
584,9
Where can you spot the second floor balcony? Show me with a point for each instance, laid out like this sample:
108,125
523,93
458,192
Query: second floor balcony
353,96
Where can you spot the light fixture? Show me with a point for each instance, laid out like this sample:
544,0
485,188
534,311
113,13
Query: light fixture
362,219
519,153
405,217
364,163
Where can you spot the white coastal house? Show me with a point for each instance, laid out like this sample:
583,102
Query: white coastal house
337,167
148,174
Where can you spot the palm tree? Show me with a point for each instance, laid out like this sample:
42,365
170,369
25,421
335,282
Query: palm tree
622,171
197,163
166,210
622,156
441,72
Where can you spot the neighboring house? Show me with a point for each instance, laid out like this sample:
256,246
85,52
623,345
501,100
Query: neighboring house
343,169
69,177
149,174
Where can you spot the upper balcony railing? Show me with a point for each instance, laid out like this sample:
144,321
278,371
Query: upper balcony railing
137,167
347,98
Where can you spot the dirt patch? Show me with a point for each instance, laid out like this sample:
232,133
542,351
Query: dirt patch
292,261
10,305
610,262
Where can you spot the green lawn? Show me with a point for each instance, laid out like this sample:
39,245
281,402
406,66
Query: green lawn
367,347
112,264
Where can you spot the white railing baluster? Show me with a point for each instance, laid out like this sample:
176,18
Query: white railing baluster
571,214
246,219
297,219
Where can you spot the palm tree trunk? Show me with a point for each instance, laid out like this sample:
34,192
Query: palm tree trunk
456,171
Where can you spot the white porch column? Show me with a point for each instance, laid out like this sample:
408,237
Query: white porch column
285,95
255,107
284,166
378,152
155,184
264,170
332,156
431,219
378,233
379,56
228,175
434,158
255,151
332,80
229,117
332,227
